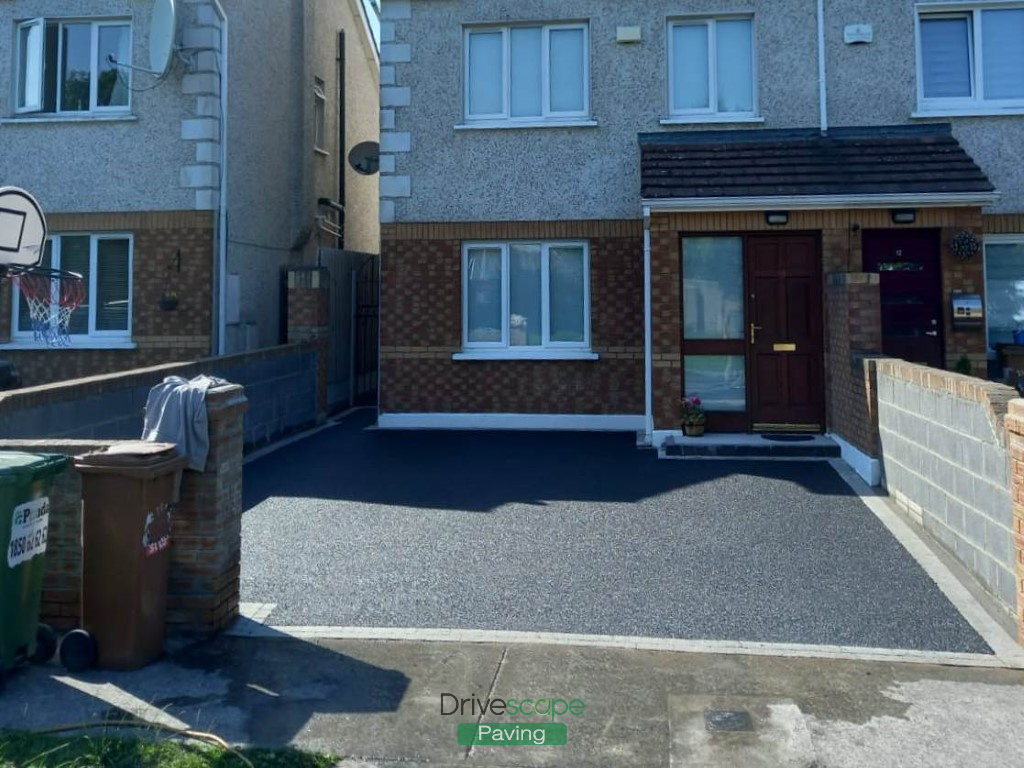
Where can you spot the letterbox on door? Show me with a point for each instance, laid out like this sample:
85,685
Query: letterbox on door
968,310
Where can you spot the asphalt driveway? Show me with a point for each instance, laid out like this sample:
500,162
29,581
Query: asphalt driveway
576,532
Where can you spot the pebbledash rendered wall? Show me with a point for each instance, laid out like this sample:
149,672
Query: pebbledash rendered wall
946,462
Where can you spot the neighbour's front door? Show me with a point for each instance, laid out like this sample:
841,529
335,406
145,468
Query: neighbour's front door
784,333
910,285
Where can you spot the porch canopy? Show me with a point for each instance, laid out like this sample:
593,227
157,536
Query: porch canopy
870,167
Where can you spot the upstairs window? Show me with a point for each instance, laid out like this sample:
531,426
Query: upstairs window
971,59
67,67
711,67
527,74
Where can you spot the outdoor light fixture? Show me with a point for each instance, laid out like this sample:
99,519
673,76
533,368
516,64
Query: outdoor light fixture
776,217
903,215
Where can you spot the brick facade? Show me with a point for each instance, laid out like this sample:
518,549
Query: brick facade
309,312
421,326
159,336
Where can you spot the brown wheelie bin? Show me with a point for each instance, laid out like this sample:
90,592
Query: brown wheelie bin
129,493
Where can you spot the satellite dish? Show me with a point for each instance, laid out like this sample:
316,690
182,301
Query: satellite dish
22,229
365,158
162,27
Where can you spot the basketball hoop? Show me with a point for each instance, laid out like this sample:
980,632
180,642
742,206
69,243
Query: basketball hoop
52,296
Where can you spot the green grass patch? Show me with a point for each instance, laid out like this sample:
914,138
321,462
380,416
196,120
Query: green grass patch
25,750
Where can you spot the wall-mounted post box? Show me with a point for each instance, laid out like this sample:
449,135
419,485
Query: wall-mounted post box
968,310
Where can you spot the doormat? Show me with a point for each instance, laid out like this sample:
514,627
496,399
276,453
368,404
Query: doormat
784,438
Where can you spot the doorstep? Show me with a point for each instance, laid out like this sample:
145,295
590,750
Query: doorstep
732,445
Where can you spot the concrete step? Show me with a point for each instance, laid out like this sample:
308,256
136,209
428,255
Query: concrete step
749,446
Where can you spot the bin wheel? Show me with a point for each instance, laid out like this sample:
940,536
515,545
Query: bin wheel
46,645
77,651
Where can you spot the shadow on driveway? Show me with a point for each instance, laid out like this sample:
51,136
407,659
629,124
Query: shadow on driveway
479,471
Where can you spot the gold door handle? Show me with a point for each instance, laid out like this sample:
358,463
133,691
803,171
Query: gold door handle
753,332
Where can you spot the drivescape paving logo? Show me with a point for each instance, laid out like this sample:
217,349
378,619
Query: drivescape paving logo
547,732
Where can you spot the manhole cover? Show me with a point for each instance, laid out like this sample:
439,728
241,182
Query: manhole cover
727,720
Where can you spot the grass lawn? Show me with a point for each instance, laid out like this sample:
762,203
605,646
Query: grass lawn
22,750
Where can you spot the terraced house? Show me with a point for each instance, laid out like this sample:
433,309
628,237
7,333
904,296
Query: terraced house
180,189
592,207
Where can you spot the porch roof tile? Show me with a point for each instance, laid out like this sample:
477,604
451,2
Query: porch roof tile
880,160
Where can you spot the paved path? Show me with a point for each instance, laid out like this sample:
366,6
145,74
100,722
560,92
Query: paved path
577,533
379,703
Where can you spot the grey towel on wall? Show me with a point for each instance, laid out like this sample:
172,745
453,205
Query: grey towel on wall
176,413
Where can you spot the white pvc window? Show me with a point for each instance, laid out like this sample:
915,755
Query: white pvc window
69,66
711,67
971,58
1004,288
527,73
105,263
526,296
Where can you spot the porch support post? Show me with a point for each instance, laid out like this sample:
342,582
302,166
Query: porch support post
648,348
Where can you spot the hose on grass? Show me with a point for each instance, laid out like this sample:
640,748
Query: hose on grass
188,733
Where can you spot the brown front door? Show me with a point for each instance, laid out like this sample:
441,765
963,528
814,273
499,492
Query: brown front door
910,285
784,333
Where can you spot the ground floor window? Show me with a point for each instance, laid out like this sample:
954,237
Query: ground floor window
525,296
105,263
1004,288
714,366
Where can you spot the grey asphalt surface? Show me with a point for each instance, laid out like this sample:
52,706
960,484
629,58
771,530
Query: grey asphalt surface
580,533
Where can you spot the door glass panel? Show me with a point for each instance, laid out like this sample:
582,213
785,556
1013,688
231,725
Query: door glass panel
524,296
900,266
718,380
1004,291
713,287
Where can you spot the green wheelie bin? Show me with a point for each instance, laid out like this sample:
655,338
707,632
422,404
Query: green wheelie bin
25,480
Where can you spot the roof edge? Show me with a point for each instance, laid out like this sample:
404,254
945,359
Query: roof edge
757,135
819,202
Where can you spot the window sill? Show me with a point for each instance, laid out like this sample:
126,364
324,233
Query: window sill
537,354
30,344
702,119
491,125
32,119
923,112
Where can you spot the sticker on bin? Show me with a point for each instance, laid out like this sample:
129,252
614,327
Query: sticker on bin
157,535
28,531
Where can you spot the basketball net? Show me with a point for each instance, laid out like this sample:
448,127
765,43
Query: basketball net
52,296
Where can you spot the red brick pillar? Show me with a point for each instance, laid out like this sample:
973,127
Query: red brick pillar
853,318
666,307
309,316
203,584
1014,422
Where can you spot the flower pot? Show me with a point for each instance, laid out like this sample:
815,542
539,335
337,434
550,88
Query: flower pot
693,430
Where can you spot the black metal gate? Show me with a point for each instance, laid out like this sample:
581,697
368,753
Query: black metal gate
352,362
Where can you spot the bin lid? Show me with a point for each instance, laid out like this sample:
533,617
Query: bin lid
17,467
132,455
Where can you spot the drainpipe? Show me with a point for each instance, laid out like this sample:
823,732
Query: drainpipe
822,85
648,348
222,216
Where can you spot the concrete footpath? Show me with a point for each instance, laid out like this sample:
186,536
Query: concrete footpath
378,703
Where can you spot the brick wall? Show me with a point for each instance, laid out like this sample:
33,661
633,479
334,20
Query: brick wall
203,583
421,326
309,315
281,386
1015,437
159,336
853,335
944,452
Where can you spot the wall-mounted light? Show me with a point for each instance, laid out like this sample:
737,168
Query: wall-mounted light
903,215
776,218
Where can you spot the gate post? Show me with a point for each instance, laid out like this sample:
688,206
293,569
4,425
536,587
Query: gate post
309,317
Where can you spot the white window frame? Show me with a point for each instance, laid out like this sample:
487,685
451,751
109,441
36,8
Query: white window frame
1013,239
975,103
94,108
547,348
36,104
93,336
547,115
712,110
320,116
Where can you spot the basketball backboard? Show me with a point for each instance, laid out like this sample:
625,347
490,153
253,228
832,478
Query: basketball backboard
22,229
